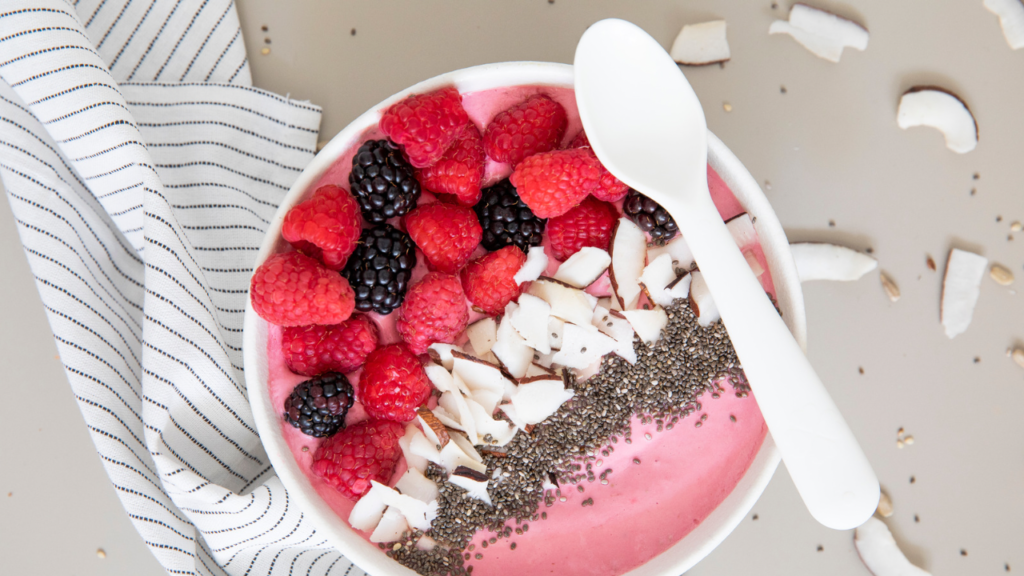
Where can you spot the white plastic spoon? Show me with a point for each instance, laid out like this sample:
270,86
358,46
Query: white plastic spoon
646,125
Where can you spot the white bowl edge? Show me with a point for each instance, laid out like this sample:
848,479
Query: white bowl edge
678,558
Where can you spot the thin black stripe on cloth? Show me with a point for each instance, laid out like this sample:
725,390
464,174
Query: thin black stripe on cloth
140,198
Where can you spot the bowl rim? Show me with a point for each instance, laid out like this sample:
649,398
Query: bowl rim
683,554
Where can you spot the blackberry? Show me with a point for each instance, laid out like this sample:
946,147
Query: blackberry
318,406
506,219
380,268
382,181
650,217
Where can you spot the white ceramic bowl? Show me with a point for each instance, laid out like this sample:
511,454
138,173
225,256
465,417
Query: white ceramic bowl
685,553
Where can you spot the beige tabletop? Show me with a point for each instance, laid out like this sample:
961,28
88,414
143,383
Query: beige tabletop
823,141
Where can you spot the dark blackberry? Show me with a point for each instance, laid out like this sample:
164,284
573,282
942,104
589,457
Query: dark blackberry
506,219
318,406
380,268
382,181
650,217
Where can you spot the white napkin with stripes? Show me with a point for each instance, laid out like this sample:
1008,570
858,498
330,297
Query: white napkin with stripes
142,169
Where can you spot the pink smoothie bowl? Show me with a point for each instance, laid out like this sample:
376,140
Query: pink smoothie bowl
722,511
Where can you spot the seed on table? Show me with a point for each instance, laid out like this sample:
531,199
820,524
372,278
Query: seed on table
884,505
1001,275
890,287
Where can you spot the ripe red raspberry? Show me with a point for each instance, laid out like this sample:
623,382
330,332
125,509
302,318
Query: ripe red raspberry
488,280
425,125
313,350
551,183
610,189
534,126
589,224
447,234
461,169
357,454
434,311
393,384
292,289
326,226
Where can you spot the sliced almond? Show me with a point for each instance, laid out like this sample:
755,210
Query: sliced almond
1001,275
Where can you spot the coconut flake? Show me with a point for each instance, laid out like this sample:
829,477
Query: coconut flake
680,287
535,265
440,377
513,415
498,430
678,249
647,323
701,44
535,401
368,510
530,319
420,445
433,428
513,351
942,110
477,375
482,335
628,251
960,290
413,483
455,404
655,280
880,553
453,456
615,325
419,514
584,267
567,302
474,485
701,302
815,261
391,526
441,354
411,460
1011,19
823,33
581,348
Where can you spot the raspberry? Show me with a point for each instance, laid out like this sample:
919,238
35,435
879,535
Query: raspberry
393,384
446,234
292,289
534,126
551,183
318,407
312,350
589,224
362,452
425,125
488,281
461,169
326,226
611,189
433,311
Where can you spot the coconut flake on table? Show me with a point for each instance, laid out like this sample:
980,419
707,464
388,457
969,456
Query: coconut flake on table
942,110
880,552
535,265
629,256
1011,19
817,261
584,267
701,44
960,290
823,33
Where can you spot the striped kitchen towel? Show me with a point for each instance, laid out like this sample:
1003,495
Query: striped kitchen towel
142,169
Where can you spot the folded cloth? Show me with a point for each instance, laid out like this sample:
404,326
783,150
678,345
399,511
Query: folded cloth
142,169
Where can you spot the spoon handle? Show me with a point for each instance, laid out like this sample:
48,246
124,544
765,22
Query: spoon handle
824,459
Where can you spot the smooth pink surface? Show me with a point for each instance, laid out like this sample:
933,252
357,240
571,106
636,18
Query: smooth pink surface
684,474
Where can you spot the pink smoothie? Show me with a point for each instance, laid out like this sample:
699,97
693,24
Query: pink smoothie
684,473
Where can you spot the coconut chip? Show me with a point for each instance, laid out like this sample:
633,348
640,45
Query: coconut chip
880,553
816,261
823,33
942,110
1011,19
960,290
701,44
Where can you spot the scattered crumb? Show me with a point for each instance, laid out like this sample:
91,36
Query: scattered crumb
266,40
305,448
353,31
869,250
963,552
977,359
974,191
265,51
831,223
820,548
727,107
913,480
9,494
917,518
775,5
890,287
767,185
264,28
1001,274
930,262
884,505
782,89
999,218
1016,226
860,369
977,176
100,553
754,517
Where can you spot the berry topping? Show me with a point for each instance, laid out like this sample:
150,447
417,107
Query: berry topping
534,126
312,350
650,217
610,188
447,234
326,226
425,125
589,224
292,289
318,407
382,181
393,384
366,451
380,268
434,311
461,169
488,281
551,183
506,220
